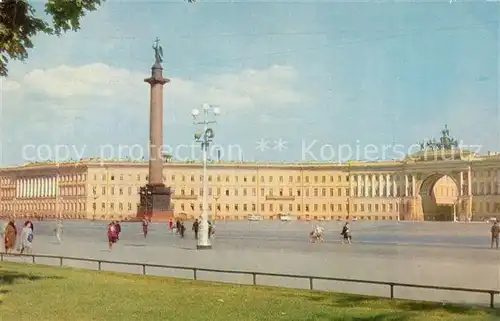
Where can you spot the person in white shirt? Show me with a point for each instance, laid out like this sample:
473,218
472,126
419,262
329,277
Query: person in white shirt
26,239
59,231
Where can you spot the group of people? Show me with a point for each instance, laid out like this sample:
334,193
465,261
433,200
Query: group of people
23,238
317,234
114,230
180,228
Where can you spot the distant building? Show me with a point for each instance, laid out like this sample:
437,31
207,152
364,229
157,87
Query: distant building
417,188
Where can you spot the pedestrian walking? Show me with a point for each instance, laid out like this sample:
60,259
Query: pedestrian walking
26,240
145,227
10,236
495,232
59,231
196,228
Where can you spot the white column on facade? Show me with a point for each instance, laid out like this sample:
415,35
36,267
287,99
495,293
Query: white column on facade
30,193
24,188
413,186
32,187
44,186
372,185
381,185
28,187
366,185
52,187
18,189
394,187
406,185
358,185
37,187
461,188
388,185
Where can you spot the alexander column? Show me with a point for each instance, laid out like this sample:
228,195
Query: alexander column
155,196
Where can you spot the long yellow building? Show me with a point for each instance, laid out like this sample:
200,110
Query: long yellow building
414,189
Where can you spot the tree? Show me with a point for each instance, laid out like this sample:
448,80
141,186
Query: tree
19,24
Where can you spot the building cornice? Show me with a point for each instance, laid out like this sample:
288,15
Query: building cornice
350,166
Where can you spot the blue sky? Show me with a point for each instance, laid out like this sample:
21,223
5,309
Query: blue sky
308,74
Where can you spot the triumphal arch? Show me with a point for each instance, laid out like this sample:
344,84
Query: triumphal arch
421,172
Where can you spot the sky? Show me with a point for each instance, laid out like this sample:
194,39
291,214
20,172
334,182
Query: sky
295,81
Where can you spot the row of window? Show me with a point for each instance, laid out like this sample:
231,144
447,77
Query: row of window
227,178
111,206
293,207
317,192
43,207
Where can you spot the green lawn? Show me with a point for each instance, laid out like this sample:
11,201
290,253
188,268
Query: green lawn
37,292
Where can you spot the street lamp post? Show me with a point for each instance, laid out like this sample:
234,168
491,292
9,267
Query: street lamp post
205,138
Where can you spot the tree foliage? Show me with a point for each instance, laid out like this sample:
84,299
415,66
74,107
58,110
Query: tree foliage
19,23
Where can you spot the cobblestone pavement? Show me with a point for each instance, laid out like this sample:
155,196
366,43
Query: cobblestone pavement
445,254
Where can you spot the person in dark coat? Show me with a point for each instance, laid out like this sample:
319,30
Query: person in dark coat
182,229
196,228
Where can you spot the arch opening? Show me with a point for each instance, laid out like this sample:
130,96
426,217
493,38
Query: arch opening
439,194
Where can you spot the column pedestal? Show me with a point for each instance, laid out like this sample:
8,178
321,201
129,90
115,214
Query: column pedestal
155,203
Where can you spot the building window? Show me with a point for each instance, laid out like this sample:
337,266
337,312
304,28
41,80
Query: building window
307,207
245,207
103,191
281,179
227,207
120,191
121,177
129,206
130,191
120,206
244,192
227,192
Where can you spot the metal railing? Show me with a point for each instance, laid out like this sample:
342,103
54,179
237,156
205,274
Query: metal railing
195,270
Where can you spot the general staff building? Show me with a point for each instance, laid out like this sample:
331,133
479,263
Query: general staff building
463,188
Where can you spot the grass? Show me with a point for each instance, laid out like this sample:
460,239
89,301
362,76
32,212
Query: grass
38,292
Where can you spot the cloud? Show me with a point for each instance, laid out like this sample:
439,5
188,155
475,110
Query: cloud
275,86
8,85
